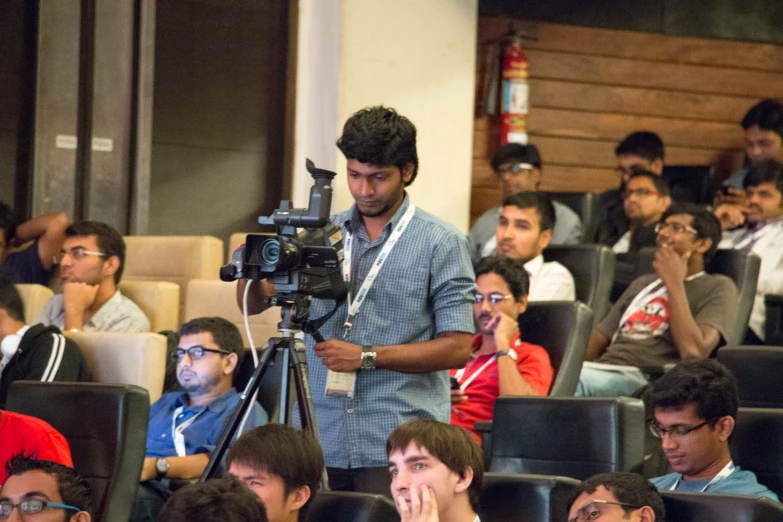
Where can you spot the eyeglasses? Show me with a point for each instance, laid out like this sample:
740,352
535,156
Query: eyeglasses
76,253
31,507
514,169
194,352
595,508
640,192
677,431
494,298
677,228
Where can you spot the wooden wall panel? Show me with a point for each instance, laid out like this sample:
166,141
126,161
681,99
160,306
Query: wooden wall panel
589,88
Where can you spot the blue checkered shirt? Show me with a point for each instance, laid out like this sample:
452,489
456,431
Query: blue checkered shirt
425,287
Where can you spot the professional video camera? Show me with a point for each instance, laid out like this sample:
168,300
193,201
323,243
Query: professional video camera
305,264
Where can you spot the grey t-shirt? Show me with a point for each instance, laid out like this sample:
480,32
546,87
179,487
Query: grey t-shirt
645,338
118,314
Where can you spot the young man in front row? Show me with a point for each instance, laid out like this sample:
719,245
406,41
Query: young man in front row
614,497
678,313
501,364
437,472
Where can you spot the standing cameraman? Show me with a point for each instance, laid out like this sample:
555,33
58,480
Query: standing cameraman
385,356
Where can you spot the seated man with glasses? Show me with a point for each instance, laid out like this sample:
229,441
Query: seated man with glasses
645,198
43,490
501,363
91,263
184,426
678,313
693,409
615,497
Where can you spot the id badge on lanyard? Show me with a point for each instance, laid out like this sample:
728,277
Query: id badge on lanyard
177,432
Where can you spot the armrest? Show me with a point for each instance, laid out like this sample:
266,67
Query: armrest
773,328
483,426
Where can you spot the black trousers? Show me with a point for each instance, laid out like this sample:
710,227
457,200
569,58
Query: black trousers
362,480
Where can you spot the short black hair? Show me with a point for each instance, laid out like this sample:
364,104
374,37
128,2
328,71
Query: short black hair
10,300
628,488
216,500
708,385
767,171
704,222
380,136
8,221
109,241
73,489
767,115
661,185
644,144
516,153
513,273
292,455
225,333
537,200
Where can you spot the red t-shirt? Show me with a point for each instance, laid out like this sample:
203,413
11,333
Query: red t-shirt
533,364
31,436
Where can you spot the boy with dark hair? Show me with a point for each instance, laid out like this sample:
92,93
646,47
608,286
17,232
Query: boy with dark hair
501,364
42,490
33,353
693,410
645,198
523,231
518,169
216,500
613,497
437,472
91,264
282,466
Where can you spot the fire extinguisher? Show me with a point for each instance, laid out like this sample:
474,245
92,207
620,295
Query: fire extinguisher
514,93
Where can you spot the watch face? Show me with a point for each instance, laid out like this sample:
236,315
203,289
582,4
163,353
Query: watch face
162,465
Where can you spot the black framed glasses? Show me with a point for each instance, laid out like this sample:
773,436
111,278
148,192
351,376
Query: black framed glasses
677,228
31,507
194,352
676,431
493,298
593,509
640,192
76,253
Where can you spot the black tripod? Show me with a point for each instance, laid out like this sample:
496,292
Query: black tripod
294,312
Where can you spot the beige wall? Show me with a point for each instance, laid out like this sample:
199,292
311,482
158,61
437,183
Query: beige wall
418,57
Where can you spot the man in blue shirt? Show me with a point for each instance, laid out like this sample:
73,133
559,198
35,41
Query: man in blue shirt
415,323
695,407
184,426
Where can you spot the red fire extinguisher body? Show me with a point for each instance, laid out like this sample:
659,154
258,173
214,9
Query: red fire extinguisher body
514,94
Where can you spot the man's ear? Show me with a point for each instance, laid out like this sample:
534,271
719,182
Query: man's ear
81,516
544,238
535,176
724,427
299,497
646,514
111,265
703,244
231,363
465,480
407,173
656,166
521,305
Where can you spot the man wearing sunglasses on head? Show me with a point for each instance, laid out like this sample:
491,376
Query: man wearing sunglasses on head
44,491
616,497
693,409
184,426
91,263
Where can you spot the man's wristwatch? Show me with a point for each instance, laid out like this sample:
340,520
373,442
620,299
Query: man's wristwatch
162,467
507,351
368,358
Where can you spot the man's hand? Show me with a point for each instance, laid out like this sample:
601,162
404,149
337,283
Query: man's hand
733,196
505,327
670,266
339,356
424,509
730,215
148,470
458,396
79,296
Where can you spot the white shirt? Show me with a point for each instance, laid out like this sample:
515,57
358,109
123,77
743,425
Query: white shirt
769,246
549,281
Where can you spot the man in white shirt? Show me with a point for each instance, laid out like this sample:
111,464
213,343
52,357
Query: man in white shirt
524,229
761,231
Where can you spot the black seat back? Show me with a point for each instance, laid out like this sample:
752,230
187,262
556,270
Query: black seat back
510,498
574,437
585,204
757,445
269,391
330,506
106,428
758,372
690,183
563,329
713,507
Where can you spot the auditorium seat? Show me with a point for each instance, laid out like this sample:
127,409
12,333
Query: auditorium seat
34,298
125,358
593,269
773,327
758,370
269,390
714,507
106,428
176,259
757,445
573,437
331,506
514,498
585,204
159,300
218,298
690,183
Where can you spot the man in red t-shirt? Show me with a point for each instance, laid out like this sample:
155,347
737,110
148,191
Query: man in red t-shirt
32,437
501,364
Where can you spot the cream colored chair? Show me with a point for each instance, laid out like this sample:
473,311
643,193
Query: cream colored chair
218,298
176,259
34,298
159,300
125,358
